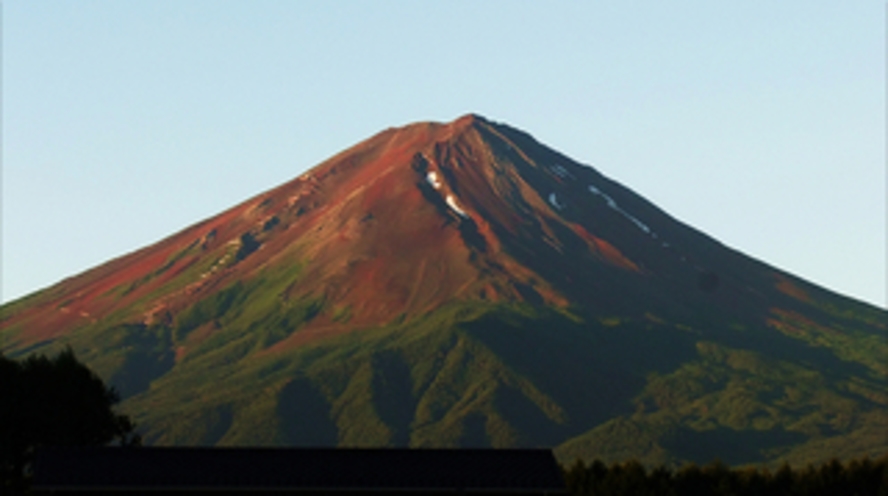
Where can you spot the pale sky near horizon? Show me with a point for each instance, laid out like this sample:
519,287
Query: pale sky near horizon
759,123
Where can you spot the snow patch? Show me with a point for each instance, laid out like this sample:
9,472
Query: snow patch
561,172
432,178
451,202
613,204
639,224
553,199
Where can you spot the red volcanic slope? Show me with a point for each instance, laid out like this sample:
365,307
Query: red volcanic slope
369,221
397,226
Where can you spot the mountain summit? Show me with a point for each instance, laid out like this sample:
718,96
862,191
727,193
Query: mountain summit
462,284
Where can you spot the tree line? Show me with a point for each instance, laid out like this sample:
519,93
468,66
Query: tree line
859,477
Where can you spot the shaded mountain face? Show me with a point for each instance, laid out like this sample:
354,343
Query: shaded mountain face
463,285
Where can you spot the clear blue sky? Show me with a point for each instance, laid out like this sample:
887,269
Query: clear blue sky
761,123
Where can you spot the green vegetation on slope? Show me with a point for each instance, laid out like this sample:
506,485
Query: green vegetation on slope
611,386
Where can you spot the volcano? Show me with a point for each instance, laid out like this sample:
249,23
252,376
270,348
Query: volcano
462,285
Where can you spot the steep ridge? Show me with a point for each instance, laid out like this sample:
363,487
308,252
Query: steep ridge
463,285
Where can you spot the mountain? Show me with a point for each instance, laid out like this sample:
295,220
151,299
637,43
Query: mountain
463,285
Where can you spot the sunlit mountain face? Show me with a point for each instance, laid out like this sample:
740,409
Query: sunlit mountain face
463,285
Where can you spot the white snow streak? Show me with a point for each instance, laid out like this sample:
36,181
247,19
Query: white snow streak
612,204
554,201
561,172
451,202
432,178
641,225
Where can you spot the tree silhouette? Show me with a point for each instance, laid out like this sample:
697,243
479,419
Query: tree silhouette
53,402
861,477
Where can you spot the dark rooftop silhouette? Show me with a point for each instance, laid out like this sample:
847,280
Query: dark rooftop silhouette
297,470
